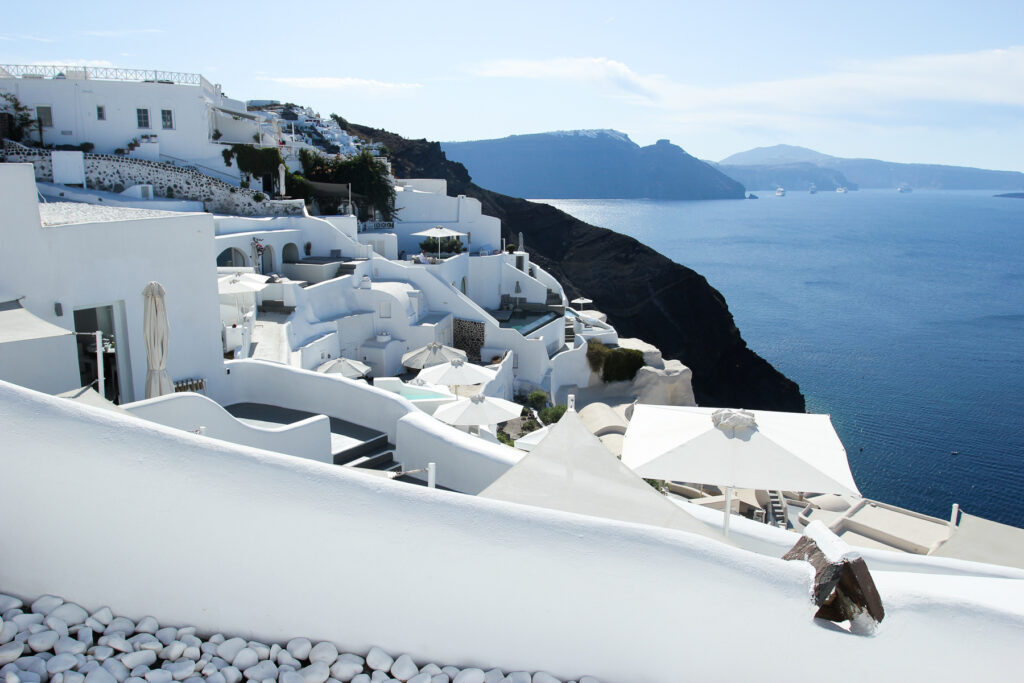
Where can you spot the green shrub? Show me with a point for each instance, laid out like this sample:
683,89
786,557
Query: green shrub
552,414
596,354
537,399
622,365
226,153
87,147
505,438
169,192
449,245
259,197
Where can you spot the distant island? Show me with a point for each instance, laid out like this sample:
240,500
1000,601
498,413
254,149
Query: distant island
796,168
590,164
1011,195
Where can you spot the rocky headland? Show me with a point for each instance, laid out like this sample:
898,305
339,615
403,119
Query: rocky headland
644,294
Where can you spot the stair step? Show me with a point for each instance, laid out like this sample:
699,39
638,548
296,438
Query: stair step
375,445
376,461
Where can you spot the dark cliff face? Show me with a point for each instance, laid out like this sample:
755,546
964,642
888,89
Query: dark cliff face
645,294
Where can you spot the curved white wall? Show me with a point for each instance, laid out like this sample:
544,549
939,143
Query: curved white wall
441,576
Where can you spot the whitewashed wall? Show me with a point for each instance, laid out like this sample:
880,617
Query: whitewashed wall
570,368
103,263
309,438
480,582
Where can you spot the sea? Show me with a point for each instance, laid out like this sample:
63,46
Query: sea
899,314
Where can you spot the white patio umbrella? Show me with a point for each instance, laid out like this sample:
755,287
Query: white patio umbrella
478,410
582,301
239,286
155,330
346,367
738,449
456,372
439,232
431,354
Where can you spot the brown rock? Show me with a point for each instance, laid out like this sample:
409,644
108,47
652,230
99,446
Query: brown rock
843,589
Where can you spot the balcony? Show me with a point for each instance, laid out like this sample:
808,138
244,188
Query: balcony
375,226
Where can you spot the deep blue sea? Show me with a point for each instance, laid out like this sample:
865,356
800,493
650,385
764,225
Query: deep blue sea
901,315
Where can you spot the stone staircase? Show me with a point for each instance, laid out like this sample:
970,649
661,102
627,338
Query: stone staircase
777,513
374,454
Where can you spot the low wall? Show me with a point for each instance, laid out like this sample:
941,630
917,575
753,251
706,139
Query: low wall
309,438
114,173
570,369
466,580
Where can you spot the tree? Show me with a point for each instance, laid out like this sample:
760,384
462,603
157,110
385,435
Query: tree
367,175
24,122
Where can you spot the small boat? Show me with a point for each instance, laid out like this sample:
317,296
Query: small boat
752,196
813,189
903,187
841,190
780,192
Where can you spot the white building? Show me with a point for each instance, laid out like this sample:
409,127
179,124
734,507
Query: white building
157,115
424,203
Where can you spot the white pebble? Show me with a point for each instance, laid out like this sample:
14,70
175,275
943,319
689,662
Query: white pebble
103,615
186,631
166,635
404,668
494,676
452,671
588,679
101,652
95,625
471,675
378,677
70,613
173,651
9,602
378,660
139,672
159,676
23,620
431,668
261,671
46,604
40,642
274,649
139,658
192,653
420,678
285,659
519,677
231,674
317,672
182,669
347,667
245,658
119,643
84,634
229,649
217,638
197,679
440,678
216,677
61,663
137,679
299,647
10,652
7,632
74,677
208,648
68,645
29,677
323,652
56,624
147,625
89,667
545,677
361,678
290,677
117,670
100,675
122,624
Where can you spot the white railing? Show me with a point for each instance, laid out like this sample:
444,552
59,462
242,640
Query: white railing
97,73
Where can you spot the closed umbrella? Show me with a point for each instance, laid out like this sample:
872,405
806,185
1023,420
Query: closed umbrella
478,410
155,330
431,354
439,232
346,367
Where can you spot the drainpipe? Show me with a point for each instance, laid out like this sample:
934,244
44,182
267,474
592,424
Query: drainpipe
100,380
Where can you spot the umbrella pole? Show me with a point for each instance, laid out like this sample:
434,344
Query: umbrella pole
728,511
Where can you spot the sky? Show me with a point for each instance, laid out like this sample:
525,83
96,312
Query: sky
929,82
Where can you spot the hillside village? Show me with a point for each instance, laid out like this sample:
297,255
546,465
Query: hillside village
289,386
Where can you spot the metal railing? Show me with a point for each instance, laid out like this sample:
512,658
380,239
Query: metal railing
368,226
98,73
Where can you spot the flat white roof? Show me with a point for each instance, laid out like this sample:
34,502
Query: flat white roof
67,213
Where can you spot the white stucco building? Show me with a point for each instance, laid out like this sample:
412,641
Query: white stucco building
424,203
156,115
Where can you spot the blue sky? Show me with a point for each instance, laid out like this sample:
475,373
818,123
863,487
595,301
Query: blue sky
934,82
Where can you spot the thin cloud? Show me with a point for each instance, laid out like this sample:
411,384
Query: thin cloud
596,69
364,85
71,63
36,39
121,33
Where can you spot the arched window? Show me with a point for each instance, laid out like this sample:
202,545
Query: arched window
232,258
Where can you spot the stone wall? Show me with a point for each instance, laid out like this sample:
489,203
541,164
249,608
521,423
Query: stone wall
113,173
468,335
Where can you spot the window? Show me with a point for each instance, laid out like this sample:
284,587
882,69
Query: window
143,116
167,118
101,113
45,116
384,308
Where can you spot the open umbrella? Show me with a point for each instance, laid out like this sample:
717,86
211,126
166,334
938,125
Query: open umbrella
478,410
738,449
155,331
439,232
582,301
456,372
346,367
431,354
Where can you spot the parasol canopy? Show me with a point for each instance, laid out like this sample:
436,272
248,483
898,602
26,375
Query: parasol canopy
431,354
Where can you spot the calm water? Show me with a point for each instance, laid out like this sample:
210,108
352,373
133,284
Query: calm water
901,315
